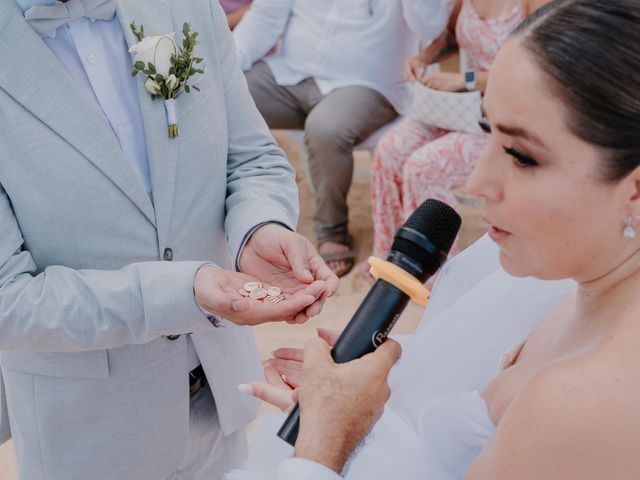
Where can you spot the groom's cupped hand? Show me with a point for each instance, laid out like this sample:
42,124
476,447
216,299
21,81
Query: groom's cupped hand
218,292
278,256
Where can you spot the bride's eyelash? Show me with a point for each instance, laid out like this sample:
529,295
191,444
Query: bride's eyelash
484,126
521,159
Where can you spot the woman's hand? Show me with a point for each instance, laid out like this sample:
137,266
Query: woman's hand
283,374
288,361
446,81
414,67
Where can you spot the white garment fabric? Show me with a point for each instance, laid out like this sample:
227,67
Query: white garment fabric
433,425
96,55
340,43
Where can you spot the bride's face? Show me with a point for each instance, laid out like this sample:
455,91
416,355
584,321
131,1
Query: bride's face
548,206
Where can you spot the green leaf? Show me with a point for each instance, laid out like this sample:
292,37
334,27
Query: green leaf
159,78
134,72
195,87
186,28
187,88
152,67
139,65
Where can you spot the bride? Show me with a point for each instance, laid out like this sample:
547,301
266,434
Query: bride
561,185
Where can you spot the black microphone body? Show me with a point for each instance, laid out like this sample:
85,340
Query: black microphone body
376,316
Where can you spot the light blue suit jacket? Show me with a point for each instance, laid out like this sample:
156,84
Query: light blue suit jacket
92,386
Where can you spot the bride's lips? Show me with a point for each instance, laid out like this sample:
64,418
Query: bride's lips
496,234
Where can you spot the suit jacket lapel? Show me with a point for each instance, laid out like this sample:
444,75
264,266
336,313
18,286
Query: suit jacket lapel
156,17
35,78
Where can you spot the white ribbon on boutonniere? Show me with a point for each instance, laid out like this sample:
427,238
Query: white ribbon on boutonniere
167,67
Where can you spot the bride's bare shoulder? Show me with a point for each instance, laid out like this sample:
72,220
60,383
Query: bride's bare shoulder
577,418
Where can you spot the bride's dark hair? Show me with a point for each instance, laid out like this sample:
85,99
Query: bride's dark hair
590,52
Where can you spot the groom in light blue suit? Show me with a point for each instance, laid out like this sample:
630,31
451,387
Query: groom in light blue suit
122,332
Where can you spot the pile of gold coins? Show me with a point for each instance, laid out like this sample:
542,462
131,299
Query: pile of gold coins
257,291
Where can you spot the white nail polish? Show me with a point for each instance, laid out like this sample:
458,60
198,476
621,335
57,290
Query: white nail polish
245,388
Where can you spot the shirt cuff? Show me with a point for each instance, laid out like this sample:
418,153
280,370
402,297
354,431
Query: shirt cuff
297,468
247,237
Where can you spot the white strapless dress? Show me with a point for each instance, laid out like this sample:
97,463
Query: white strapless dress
452,432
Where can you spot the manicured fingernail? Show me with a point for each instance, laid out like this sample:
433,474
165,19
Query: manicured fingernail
245,388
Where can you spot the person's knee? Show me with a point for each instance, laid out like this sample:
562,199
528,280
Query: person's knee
323,132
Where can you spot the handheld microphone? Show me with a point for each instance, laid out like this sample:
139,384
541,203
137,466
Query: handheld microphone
420,247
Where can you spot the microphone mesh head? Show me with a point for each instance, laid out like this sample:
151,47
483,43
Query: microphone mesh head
439,223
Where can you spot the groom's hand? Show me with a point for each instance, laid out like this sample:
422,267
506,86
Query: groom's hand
218,291
278,256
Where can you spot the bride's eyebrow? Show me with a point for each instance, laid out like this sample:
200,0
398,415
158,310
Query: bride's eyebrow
522,133
515,131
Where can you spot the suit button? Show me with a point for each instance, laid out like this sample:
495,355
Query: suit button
168,254
173,337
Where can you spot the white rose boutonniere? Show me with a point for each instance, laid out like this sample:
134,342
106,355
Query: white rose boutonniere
167,67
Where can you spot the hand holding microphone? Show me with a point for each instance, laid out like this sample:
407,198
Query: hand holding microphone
419,249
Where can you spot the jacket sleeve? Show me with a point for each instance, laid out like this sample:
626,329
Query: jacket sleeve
261,184
5,430
64,310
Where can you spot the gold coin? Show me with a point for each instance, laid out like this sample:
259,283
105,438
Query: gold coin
274,291
243,292
251,286
258,293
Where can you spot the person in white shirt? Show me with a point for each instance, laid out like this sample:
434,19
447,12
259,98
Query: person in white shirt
337,74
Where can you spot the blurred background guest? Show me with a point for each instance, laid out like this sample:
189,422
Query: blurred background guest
338,76
235,10
414,161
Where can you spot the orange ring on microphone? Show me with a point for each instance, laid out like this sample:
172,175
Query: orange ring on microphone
398,277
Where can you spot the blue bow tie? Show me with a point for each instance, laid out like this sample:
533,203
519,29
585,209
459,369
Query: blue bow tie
45,20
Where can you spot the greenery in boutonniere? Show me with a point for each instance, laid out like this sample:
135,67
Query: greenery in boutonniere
166,66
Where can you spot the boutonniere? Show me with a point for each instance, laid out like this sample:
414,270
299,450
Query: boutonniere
167,67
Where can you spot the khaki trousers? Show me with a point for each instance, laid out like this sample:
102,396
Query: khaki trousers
333,124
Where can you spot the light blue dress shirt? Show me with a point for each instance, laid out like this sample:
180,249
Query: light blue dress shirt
97,57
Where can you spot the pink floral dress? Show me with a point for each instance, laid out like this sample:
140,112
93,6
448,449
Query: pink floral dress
413,161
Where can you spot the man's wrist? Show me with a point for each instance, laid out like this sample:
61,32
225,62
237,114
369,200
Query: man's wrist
248,236
330,454
212,317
